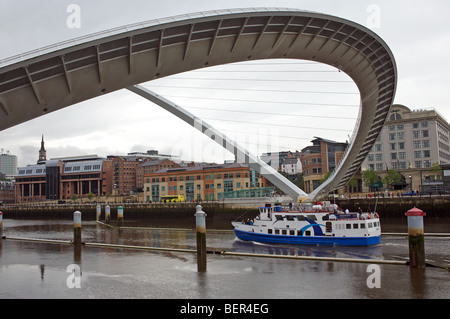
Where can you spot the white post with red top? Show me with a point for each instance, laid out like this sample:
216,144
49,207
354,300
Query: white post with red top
416,238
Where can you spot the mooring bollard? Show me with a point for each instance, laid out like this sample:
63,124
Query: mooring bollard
99,212
416,238
1,224
200,221
120,216
107,214
77,228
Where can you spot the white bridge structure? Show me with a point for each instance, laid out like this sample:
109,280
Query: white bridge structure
51,78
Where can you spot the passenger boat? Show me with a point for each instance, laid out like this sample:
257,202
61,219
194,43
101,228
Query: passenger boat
310,225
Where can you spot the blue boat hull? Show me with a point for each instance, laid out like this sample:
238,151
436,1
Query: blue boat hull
307,240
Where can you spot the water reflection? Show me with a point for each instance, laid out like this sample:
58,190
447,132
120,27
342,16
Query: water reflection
119,273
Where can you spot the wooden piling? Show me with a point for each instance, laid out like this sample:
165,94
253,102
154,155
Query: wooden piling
77,228
120,216
200,222
107,214
98,212
416,238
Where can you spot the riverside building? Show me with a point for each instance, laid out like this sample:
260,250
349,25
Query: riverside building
205,182
60,179
410,142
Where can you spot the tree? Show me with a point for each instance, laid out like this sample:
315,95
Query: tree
369,178
325,177
392,176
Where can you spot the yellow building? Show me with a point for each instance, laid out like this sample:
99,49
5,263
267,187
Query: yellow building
201,182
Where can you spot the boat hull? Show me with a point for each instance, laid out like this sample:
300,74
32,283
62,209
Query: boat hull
307,240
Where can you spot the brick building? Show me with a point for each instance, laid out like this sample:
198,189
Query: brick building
202,182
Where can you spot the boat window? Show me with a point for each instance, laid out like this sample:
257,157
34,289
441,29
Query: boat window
277,231
299,232
348,226
300,217
279,217
284,232
363,225
308,233
312,217
370,225
355,226
289,217
292,232
269,231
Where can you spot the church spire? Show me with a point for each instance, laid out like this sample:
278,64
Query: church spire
42,152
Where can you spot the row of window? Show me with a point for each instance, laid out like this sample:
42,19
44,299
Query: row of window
415,134
228,186
198,177
398,156
293,232
400,127
78,168
399,165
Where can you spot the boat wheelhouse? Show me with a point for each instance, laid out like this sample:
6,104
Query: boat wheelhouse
310,225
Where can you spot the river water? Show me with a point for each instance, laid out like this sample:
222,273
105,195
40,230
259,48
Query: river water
44,270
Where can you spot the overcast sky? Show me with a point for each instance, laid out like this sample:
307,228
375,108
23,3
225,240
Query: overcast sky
418,33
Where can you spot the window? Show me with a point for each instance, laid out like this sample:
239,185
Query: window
392,136
418,164
391,127
378,147
424,124
425,133
371,157
427,164
426,153
417,154
379,166
348,226
393,146
401,135
402,165
416,144
415,125
400,127
416,134
401,145
426,143
393,156
355,226
379,157
402,155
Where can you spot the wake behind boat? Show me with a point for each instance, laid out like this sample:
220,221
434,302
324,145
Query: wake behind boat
310,225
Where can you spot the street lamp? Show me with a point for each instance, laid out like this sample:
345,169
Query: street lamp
410,182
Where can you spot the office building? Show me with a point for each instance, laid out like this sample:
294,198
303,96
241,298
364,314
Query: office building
321,157
410,142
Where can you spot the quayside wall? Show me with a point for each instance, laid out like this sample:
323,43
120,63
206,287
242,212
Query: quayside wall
435,207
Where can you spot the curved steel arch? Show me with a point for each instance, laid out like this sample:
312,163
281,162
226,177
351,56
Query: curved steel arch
72,72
